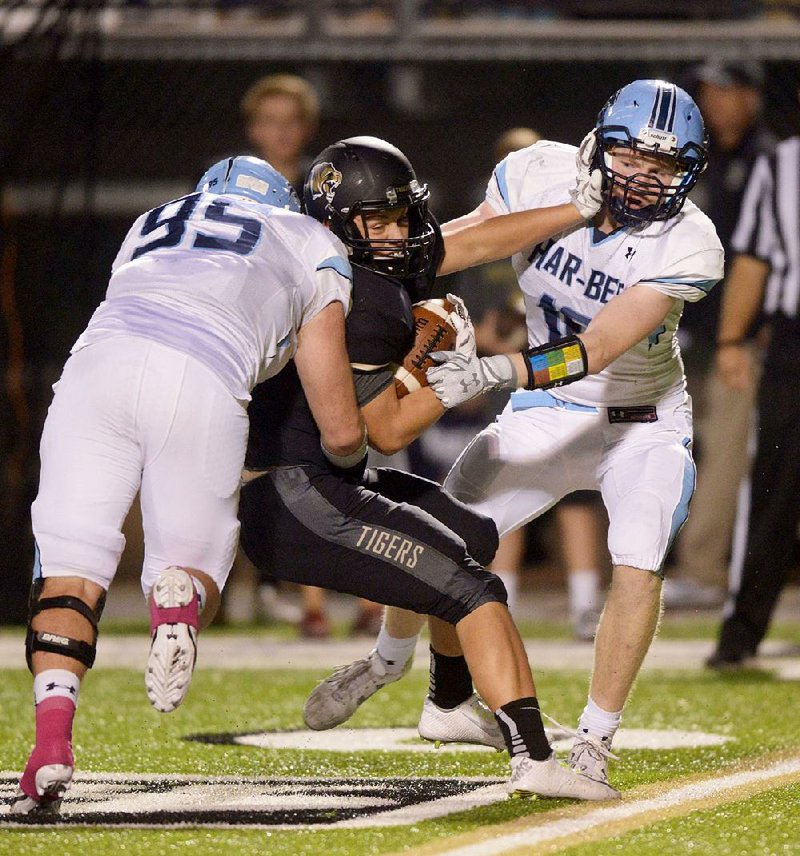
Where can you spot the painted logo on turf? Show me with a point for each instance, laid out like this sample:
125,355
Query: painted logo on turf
120,800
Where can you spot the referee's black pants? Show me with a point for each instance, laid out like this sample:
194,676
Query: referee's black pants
395,539
774,509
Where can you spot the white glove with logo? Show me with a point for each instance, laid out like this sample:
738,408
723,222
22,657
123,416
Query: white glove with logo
587,195
460,377
465,332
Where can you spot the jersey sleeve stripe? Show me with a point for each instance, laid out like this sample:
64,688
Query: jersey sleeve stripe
704,285
339,265
502,182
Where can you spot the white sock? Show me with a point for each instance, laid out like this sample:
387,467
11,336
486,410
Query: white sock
395,652
56,682
511,582
583,590
598,722
201,593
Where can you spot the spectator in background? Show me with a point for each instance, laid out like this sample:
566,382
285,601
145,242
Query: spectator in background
729,97
281,115
763,277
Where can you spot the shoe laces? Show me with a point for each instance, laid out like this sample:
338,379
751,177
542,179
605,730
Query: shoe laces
371,663
594,748
594,744
355,668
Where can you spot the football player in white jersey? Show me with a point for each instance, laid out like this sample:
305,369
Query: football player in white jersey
603,300
209,295
601,401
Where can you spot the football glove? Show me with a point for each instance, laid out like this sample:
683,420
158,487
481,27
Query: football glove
460,377
465,332
587,195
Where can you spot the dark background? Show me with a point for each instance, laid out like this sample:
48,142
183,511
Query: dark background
75,120
68,123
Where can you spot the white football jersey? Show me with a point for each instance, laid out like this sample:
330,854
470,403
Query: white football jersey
227,281
568,279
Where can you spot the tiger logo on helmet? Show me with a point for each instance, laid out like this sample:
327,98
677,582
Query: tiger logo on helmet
324,180
355,178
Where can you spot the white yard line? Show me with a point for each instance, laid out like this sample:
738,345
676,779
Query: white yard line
412,814
679,800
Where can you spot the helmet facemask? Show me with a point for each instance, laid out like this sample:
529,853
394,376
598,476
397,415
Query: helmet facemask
622,193
398,257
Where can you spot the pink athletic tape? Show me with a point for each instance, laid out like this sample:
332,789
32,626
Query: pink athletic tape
189,614
53,740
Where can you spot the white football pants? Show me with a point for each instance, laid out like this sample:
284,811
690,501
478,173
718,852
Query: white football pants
128,415
523,464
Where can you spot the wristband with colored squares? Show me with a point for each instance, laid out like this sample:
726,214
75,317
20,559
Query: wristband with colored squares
556,363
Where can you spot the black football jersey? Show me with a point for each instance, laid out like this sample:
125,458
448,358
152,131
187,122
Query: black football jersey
380,332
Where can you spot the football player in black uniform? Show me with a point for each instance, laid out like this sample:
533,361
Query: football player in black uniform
385,535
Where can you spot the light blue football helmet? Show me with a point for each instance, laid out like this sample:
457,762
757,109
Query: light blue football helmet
657,118
252,178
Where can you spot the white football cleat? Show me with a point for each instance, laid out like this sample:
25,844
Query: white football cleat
174,611
589,756
470,722
52,781
339,696
549,778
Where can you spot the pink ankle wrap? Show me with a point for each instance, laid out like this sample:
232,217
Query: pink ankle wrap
53,740
189,614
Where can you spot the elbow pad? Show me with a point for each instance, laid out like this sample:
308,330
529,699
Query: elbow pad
556,363
349,467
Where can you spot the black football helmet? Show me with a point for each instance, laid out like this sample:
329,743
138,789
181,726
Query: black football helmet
358,176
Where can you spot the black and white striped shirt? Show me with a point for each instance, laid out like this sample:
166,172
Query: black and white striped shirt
769,226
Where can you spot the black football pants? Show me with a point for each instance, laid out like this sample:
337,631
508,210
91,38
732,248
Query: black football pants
774,512
395,539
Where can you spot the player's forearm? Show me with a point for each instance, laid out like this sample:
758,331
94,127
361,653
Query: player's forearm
501,236
618,326
324,369
626,320
622,323
742,295
482,212
414,413
598,352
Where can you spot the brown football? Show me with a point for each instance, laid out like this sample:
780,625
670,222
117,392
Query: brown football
433,333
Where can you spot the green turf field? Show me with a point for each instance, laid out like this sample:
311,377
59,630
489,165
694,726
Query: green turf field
117,732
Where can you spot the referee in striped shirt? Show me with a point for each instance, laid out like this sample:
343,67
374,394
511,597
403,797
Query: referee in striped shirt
765,277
